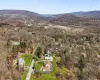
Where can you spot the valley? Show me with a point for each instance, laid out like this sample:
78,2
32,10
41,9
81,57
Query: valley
71,42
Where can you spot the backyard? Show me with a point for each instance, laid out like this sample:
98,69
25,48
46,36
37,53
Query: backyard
51,75
38,65
27,58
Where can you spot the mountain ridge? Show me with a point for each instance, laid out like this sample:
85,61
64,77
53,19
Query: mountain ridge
29,17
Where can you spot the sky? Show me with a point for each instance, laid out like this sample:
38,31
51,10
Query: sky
51,6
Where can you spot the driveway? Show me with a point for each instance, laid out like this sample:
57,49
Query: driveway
30,70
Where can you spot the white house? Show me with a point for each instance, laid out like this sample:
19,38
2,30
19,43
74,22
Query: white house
21,62
48,57
15,43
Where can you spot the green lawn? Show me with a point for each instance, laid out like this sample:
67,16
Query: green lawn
47,77
51,75
55,69
38,65
28,59
24,75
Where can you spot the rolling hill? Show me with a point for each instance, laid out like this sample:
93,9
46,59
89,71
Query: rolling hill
15,17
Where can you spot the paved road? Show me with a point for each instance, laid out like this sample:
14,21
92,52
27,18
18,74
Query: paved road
30,70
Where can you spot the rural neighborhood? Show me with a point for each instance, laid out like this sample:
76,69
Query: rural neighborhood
49,39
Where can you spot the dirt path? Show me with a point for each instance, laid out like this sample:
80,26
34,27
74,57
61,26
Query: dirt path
34,49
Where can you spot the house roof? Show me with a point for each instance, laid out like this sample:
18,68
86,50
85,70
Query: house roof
21,61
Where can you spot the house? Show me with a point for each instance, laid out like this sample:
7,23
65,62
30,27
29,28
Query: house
15,43
21,62
47,66
48,57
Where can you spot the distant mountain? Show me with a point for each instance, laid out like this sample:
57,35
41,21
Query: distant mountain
27,17
92,14
21,12
20,16
16,17
87,18
65,19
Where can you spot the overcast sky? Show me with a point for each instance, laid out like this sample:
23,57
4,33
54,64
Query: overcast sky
51,6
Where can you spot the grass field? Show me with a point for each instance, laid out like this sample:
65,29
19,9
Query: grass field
51,75
28,59
24,75
38,65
